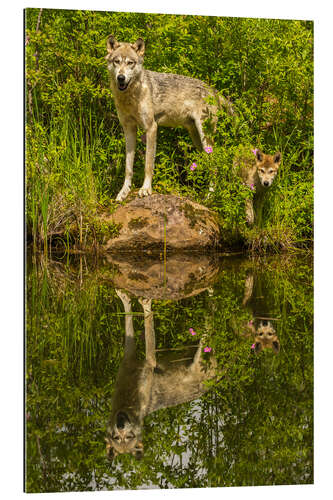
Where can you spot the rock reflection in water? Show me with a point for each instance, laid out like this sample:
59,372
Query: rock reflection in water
177,277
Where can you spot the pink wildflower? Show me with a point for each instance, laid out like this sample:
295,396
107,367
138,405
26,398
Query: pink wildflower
252,187
251,322
193,166
192,332
253,346
207,349
209,149
254,151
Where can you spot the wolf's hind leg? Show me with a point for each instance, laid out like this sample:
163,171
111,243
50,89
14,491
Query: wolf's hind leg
205,142
194,134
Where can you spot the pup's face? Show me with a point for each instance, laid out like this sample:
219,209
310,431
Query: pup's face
124,436
267,167
265,337
124,61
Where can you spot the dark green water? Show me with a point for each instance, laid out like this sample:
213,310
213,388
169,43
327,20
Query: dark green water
241,414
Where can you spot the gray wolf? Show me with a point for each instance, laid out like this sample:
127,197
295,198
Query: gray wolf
144,386
258,173
147,99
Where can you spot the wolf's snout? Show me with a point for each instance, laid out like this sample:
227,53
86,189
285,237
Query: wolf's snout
122,418
121,79
266,183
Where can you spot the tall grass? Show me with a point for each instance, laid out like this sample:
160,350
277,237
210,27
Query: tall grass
63,205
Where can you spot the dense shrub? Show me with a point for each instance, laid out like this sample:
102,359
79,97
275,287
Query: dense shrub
75,146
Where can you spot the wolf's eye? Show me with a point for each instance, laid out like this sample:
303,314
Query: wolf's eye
261,334
116,61
130,63
271,171
262,170
129,438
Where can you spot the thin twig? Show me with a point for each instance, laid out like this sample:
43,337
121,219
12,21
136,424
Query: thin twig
178,360
42,461
176,348
39,18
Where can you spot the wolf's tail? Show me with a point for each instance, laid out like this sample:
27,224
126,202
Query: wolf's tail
226,104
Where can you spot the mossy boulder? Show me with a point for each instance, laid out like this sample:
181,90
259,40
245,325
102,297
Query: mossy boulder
164,221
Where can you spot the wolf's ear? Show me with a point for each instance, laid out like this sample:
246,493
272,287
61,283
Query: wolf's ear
257,347
276,346
111,44
259,155
277,158
139,47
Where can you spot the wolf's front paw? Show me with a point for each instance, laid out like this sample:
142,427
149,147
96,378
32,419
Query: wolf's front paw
123,296
145,191
123,193
145,303
250,217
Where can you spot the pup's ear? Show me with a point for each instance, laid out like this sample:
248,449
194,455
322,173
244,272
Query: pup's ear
110,451
259,155
258,347
277,158
139,47
138,452
276,346
111,44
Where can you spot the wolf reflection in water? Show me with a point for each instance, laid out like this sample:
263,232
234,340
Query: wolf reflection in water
143,387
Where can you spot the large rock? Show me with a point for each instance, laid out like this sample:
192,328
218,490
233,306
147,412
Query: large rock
161,221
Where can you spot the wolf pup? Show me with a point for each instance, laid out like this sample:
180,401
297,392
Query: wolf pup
258,174
265,336
147,99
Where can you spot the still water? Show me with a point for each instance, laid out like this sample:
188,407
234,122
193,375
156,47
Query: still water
194,372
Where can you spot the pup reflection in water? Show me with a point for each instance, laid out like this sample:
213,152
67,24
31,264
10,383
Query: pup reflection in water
261,328
144,386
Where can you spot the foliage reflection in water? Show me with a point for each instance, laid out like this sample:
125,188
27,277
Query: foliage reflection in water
196,372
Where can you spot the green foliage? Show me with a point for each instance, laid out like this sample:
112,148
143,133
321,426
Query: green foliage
254,426
75,146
